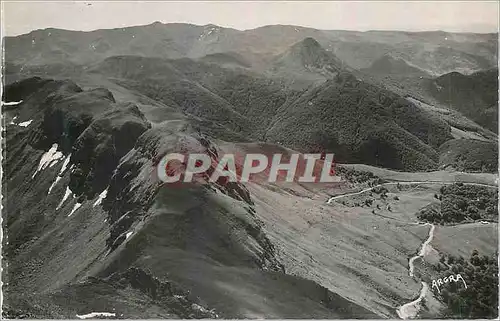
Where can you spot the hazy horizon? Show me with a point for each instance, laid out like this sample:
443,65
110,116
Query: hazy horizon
263,26
482,17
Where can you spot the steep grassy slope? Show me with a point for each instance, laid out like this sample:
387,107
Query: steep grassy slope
152,251
467,102
388,65
90,227
461,126
342,246
475,96
393,133
237,105
469,155
170,82
358,122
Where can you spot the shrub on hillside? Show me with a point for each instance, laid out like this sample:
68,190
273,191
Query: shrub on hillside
461,203
357,176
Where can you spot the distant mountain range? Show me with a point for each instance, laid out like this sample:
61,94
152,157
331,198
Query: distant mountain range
434,52
258,83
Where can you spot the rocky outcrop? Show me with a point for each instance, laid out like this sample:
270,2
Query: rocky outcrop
98,150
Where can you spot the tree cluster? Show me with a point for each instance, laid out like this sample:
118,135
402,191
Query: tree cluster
480,298
462,203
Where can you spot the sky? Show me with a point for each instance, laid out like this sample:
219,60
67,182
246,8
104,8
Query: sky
20,17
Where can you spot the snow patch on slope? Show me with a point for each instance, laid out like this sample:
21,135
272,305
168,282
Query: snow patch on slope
76,207
101,197
11,103
61,172
25,123
96,314
66,195
49,158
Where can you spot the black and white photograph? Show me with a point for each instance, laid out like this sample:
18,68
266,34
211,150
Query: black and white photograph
249,160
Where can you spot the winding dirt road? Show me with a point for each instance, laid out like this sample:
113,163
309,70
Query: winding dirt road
423,249
411,309
403,183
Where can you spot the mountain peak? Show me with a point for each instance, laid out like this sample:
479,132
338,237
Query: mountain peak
307,46
310,54
211,25
310,43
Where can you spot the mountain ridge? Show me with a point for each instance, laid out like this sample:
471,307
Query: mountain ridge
267,26
357,49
